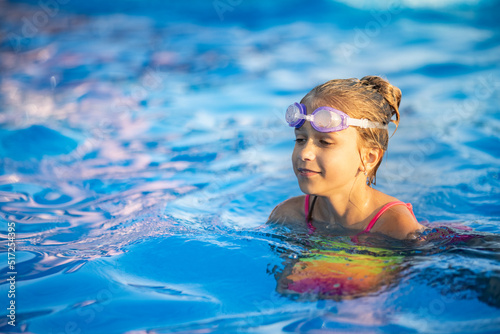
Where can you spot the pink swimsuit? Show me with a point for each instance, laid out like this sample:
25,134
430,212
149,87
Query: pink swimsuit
370,225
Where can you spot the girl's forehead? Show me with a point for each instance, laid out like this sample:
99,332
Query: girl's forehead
313,103
347,134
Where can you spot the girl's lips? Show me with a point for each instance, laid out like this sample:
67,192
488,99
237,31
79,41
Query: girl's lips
307,172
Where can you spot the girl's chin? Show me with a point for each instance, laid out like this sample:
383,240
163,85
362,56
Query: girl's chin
308,189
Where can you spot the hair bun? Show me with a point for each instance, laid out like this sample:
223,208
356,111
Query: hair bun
391,94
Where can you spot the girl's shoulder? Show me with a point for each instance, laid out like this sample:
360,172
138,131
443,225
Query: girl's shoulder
289,212
398,221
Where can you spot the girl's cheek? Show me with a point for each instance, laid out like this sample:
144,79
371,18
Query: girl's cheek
295,153
294,160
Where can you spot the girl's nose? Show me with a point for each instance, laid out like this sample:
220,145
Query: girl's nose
307,153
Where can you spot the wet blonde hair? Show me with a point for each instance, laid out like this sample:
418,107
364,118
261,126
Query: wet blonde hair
371,97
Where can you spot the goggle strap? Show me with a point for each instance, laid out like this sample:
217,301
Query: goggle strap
365,124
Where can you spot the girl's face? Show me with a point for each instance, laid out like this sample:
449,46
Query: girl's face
325,163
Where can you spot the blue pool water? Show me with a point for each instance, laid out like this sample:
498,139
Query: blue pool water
143,145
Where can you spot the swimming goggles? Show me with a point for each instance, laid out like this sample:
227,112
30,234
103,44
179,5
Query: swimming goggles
326,119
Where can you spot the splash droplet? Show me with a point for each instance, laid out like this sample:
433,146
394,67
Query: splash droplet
53,82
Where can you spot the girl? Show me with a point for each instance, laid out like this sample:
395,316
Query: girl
341,130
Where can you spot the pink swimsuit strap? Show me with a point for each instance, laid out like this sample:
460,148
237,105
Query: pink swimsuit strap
381,212
370,225
377,216
308,216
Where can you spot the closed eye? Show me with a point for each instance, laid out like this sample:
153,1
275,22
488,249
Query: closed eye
326,143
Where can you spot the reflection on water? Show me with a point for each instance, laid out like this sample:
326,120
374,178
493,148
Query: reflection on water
343,272
336,268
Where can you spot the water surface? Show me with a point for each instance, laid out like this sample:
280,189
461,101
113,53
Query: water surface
143,145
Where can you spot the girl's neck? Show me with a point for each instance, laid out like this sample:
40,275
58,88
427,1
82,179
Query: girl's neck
350,207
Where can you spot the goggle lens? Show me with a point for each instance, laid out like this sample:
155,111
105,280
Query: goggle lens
295,115
292,114
326,119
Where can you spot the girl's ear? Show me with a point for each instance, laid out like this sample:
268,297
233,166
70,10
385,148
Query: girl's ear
370,158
